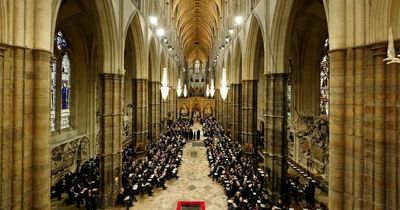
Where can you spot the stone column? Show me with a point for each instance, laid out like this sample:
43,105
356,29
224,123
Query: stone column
17,142
217,105
111,140
249,114
336,129
379,53
41,131
164,113
275,133
363,153
359,157
140,115
236,111
349,130
392,129
174,101
227,110
154,109
5,131
221,119
171,102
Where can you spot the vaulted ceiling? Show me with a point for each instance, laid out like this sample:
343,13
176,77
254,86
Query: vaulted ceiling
196,22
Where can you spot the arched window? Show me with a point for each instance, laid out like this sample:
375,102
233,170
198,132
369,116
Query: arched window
289,91
324,80
60,84
197,66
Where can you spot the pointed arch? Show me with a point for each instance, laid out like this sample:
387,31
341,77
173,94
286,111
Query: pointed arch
135,33
153,60
255,42
384,14
102,19
108,35
282,31
228,66
163,61
237,62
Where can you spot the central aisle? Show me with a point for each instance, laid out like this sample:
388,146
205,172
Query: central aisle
193,184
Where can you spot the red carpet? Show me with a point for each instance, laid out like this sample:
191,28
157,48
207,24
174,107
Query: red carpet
192,205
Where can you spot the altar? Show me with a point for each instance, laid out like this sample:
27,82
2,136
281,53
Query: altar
196,107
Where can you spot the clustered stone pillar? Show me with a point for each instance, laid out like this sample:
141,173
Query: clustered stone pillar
363,151
227,110
5,132
249,114
236,111
140,116
171,102
217,105
275,133
41,132
359,157
25,131
174,103
154,109
391,153
164,114
379,171
111,138
17,142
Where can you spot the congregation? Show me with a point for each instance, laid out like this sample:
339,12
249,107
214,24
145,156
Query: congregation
242,181
82,186
142,176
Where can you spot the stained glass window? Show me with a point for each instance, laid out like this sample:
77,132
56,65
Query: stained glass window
324,80
289,91
53,89
60,40
65,91
197,66
60,84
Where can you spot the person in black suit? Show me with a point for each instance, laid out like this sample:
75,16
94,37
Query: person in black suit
198,134
310,194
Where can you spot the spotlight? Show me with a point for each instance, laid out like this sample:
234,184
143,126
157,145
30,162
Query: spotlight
238,20
153,20
160,32
231,31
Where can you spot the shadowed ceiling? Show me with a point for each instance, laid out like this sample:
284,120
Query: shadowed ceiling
196,23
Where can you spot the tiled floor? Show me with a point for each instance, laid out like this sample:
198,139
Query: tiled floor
193,184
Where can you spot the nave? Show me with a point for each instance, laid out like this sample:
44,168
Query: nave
309,89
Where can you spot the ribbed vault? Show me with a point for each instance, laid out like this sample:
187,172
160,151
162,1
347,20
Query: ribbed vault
197,24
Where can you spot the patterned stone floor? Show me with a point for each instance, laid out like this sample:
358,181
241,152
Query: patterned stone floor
193,184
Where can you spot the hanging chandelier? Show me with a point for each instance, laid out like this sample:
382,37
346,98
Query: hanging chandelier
224,85
179,88
391,53
164,84
208,91
212,88
184,91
